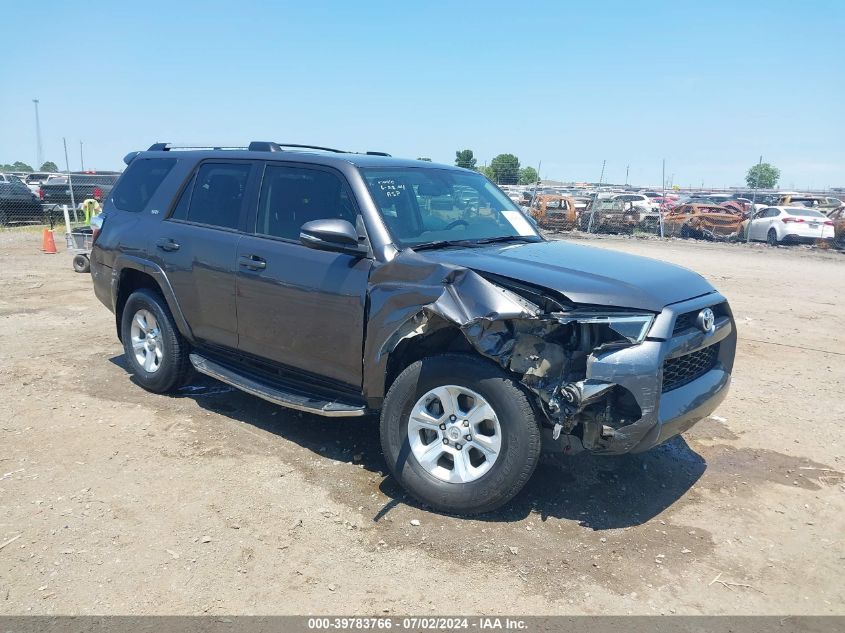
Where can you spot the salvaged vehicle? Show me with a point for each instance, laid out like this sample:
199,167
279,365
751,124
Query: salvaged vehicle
821,203
555,212
837,216
702,221
610,215
344,284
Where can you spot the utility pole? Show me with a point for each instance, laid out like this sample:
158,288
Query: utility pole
753,201
81,160
601,178
627,168
39,150
69,183
663,204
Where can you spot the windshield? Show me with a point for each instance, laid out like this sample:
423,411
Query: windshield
424,205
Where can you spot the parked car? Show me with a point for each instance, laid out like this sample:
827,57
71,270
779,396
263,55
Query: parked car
555,212
837,216
702,221
610,215
647,208
56,191
777,225
320,282
18,205
36,179
822,203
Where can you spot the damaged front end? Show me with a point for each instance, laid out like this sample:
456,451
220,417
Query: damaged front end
566,355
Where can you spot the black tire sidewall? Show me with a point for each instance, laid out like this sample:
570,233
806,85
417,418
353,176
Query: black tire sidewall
172,370
520,448
81,264
773,241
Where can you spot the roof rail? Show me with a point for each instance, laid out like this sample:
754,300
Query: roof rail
324,149
256,146
166,147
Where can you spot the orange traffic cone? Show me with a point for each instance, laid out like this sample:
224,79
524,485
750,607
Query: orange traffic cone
48,244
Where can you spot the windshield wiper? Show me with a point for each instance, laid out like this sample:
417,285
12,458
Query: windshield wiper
507,238
479,242
439,244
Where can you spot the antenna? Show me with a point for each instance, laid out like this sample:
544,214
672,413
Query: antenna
39,151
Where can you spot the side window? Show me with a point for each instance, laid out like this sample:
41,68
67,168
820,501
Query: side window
140,182
292,196
180,212
218,194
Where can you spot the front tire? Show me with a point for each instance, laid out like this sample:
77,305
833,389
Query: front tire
459,434
153,346
772,238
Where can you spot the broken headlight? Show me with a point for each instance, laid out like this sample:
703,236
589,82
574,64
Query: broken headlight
626,328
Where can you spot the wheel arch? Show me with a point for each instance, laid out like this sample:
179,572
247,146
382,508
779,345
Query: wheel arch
439,340
132,275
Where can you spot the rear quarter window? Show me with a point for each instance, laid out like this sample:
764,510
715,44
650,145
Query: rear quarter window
141,180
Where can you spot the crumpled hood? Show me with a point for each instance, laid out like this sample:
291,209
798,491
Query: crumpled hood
583,274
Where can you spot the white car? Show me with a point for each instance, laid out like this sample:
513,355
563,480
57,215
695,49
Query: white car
789,224
649,210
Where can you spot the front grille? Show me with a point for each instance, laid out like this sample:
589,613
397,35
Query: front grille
679,371
686,321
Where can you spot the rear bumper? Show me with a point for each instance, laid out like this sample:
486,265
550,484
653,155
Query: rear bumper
639,370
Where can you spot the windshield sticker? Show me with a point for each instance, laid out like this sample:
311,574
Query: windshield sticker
390,187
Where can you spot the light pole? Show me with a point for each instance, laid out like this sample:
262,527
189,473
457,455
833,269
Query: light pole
39,151
81,160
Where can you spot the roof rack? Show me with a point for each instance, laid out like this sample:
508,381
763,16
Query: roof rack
257,146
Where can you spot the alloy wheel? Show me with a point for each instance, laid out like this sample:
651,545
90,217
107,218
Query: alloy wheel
454,434
146,340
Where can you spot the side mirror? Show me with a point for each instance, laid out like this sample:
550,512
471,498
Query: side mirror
334,235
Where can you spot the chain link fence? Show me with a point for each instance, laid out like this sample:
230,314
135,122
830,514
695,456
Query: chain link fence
37,199
697,220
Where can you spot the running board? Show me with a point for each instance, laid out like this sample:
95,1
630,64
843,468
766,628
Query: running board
289,399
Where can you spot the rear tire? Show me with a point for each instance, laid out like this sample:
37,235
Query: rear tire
81,264
459,477
772,238
153,346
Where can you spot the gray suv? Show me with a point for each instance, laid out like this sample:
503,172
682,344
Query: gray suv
349,284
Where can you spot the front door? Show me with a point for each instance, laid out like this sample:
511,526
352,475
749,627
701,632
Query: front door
301,307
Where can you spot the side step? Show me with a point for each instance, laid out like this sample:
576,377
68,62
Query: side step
289,399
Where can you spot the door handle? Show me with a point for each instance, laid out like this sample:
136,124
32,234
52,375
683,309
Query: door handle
167,244
253,262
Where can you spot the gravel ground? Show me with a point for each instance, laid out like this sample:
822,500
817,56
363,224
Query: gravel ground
117,501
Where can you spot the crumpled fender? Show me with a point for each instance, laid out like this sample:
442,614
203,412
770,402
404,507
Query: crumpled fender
409,292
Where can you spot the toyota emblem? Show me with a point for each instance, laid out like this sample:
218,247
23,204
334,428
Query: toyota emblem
706,320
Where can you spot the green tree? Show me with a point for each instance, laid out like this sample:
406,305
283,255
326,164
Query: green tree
763,176
49,166
16,166
528,176
505,169
428,160
487,171
465,159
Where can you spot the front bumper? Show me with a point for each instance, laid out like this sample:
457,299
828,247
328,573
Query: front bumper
639,370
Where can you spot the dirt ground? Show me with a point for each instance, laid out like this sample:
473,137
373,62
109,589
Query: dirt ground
117,501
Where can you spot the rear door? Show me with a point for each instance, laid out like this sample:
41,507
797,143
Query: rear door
297,306
197,247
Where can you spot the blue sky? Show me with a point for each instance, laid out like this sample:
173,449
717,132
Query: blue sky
709,86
